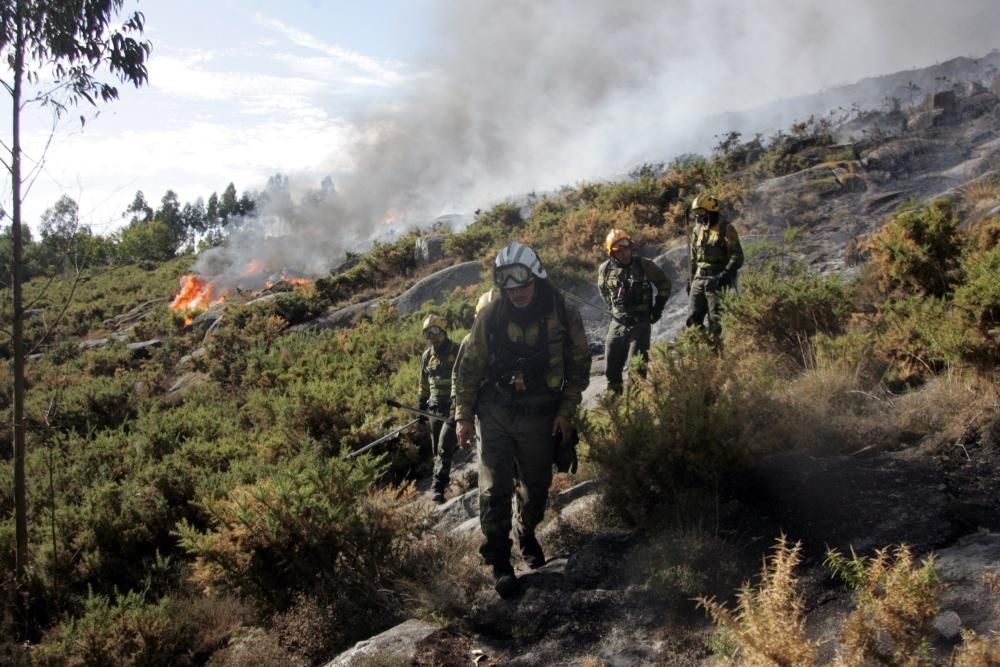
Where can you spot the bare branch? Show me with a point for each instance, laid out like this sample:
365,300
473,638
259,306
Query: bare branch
62,312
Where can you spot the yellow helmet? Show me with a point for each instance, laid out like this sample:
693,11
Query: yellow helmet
437,321
705,202
615,236
485,299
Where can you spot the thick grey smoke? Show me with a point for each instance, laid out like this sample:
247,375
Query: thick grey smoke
528,95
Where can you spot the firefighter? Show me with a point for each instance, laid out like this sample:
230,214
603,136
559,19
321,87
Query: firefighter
442,472
636,290
436,365
523,373
715,257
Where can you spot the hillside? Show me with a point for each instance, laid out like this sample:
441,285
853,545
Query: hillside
191,503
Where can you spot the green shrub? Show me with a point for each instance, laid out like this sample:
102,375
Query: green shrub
978,299
311,526
779,309
919,337
918,251
677,431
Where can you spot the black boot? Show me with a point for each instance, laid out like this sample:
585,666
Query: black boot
531,551
504,582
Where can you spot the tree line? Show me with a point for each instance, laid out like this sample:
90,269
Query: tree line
170,229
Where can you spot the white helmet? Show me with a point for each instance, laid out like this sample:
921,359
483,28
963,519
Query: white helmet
516,265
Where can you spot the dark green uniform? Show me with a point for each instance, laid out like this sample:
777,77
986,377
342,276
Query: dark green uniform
436,368
716,256
629,292
521,368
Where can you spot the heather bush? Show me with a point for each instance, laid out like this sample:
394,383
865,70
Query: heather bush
917,251
977,299
310,525
679,429
384,264
779,309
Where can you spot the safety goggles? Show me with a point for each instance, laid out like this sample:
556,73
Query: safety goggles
512,275
624,244
430,332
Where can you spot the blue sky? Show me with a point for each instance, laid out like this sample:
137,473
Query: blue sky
237,91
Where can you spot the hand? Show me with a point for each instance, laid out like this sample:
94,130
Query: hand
563,427
465,430
657,312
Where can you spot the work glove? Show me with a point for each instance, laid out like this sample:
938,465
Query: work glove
658,304
722,280
566,460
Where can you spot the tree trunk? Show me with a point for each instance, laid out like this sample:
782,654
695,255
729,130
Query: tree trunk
20,502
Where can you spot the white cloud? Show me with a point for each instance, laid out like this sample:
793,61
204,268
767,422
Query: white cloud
377,72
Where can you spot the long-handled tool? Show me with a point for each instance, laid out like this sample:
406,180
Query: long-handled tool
388,436
417,411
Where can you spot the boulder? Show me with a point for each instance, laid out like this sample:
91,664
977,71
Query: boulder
437,286
340,318
134,314
458,510
141,350
976,105
963,568
428,249
398,644
819,180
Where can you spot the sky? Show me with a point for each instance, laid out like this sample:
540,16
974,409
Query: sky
418,108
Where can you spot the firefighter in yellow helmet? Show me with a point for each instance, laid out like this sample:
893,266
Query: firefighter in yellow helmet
436,365
446,441
715,257
636,290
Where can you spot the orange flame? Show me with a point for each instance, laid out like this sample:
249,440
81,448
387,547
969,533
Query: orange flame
196,295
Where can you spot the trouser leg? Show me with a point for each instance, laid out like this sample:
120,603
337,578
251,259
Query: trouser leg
640,345
616,347
534,455
713,298
447,442
496,483
697,303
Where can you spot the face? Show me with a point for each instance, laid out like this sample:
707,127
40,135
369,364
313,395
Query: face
521,297
435,339
700,216
622,252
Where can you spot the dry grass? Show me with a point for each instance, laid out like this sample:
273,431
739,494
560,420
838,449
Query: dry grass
681,564
567,532
977,651
443,576
982,194
950,408
897,601
768,625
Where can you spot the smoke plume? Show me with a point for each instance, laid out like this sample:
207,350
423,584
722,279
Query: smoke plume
529,95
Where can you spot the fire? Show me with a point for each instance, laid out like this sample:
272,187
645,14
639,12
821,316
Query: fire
196,295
